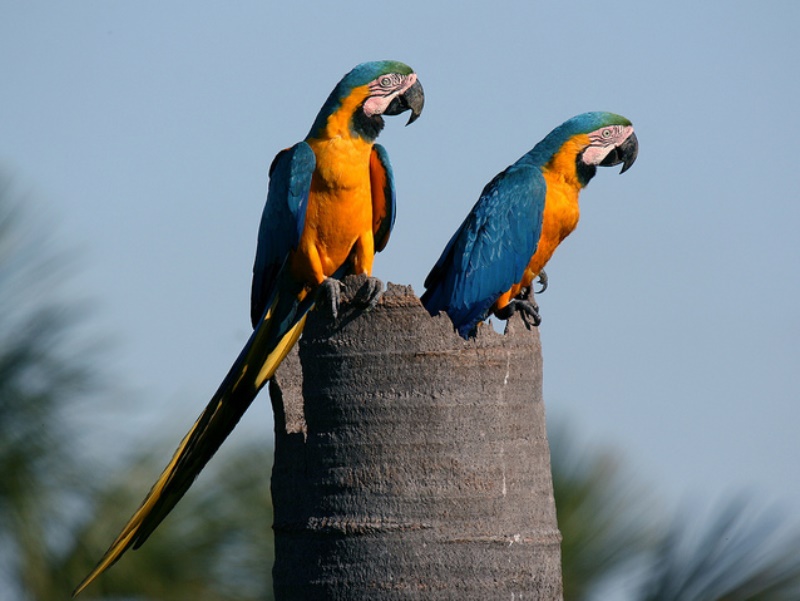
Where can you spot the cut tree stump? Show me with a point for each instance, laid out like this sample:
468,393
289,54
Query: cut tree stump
410,463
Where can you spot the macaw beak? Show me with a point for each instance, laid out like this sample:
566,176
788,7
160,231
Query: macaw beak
625,153
412,99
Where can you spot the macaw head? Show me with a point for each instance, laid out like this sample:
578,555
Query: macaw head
358,102
592,140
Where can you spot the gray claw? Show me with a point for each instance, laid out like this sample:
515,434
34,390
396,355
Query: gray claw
370,293
542,279
332,289
528,310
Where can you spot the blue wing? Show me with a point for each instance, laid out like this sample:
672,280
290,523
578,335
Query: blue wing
383,196
281,222
489,252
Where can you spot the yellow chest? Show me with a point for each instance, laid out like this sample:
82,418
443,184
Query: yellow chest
340,200
560,215
559,219
339,210
561,211
342,165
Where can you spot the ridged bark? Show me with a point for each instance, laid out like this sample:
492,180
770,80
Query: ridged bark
411,464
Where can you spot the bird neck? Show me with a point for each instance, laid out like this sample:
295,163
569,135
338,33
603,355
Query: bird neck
563,165
342,117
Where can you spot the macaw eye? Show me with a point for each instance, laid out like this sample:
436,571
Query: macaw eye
606,133
386,82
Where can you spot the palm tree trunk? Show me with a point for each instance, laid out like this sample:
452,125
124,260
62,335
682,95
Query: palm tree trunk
411,464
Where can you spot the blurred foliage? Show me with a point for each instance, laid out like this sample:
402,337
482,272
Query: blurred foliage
218,545
606,520
42,370
57,513
739,554
614,531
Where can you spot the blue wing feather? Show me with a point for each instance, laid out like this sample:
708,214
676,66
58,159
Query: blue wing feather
383,196
282,221
489,252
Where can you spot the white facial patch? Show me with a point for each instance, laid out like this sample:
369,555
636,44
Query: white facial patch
603,140
384,89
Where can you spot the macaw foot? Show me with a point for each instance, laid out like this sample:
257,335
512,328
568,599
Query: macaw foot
369,294
330,295
528,310
331,290
542,279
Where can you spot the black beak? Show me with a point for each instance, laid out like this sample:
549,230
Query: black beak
412,99
625,153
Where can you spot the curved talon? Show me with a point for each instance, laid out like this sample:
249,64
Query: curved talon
370,293
542,279
332,289
528,309
535,319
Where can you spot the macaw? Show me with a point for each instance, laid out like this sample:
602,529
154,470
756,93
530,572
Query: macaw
523,214
330,206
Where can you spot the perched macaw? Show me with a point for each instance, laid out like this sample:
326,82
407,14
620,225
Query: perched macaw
330,206
522,215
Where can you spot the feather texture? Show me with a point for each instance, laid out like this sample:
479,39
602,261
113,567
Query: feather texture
520,218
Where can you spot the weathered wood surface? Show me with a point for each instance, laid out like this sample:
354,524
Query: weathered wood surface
409,463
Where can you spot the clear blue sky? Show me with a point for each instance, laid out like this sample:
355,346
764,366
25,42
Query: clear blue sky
143,132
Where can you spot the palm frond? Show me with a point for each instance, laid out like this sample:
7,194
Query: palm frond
606,520
742,555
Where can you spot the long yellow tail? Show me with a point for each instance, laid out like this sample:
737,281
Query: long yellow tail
258,361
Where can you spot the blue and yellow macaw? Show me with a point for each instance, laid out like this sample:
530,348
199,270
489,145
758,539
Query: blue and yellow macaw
523,214
330,206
